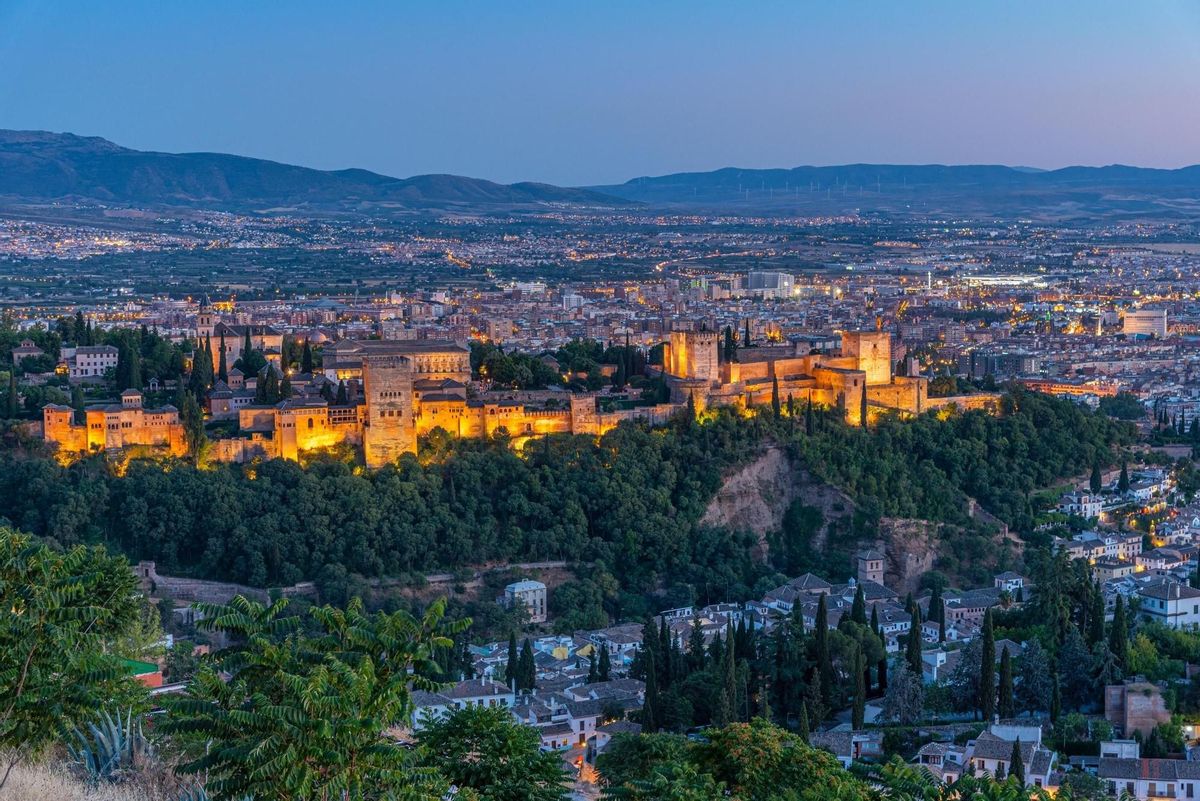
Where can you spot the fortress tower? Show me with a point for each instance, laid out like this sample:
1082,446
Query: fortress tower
873,352
390,427
692,356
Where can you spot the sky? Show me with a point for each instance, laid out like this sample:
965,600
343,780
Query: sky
582,93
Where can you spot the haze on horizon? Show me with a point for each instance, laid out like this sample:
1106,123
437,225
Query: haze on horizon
579,94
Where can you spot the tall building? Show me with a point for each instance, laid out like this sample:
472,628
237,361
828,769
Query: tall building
1145,323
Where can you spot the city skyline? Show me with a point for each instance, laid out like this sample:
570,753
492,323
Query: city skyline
582,97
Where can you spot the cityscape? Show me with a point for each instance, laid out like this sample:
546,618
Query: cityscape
584,464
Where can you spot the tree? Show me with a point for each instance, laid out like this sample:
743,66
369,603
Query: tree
306,358
1095,482
222,367
510,667
286,714
651,711
821,643
987,668
1006,703
1123,481
775,408
746,338
201,377
858,609
62,612
193,426
342,398
487,750
1075,669
526,669
1118,635
1016,766
905,698
859,706
10,410
1036,686
605,665
129,365
913,650
862,409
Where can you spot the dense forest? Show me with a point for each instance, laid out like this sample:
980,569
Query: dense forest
626,504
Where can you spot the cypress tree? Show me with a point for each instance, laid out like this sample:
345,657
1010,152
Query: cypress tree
987,669
10,404
510,668
764,701
695,650
247,345
730,670
858,609
342,397
1005,700
808,417
804,730
605,664
775,409
651,715
858,711
912,652
1118,635
306,358
821,641
592,676
1016,766
1096,616
526,671
881,673
747,337
1123,481
874,619
1095,481
285,388
664,648
862,412
1055,700
222,369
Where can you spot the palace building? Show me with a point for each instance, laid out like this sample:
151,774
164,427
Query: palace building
862,369
114,427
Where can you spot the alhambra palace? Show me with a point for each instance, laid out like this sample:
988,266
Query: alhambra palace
399,391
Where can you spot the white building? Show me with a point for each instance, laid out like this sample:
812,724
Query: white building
1081,504
1171,603
89,362
530,593
1145,323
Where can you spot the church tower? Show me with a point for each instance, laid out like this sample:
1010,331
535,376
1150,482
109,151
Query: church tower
206,319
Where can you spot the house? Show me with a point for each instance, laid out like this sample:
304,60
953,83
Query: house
1146,779
991,753
1081,504
945,761
1170,602
849,746
1108,569
89,362
530,594
1009,582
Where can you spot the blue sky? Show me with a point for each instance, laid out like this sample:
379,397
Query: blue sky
583,93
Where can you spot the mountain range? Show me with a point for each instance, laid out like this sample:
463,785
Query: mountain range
38,166
43,166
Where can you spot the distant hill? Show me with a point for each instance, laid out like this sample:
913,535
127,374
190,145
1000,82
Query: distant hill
969,190
40,166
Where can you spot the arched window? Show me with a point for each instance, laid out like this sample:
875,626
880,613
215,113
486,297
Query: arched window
310,422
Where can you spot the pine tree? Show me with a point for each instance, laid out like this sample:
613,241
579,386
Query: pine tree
1118,635
605,664
306,358
987,669
858,710
510,668
222,368
1095,482
858,610
1005,700
1016,766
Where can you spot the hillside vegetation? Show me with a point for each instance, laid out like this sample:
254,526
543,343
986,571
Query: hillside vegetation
629,502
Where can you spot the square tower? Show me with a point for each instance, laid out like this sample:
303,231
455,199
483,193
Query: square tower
692,355
870,566
873,351
389,428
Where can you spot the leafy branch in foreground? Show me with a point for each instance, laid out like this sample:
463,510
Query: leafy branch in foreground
284,715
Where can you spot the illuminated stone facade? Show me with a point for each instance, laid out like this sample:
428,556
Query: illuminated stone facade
836,380
114,427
